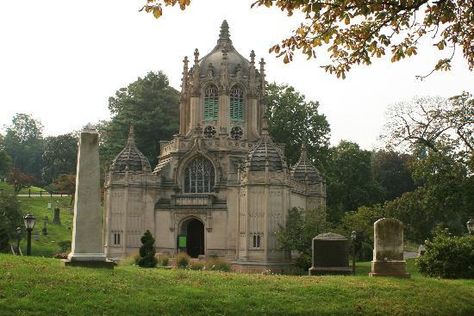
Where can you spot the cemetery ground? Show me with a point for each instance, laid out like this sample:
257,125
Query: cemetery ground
41,286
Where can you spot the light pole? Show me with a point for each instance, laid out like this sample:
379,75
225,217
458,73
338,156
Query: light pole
30,221
470,226
353,238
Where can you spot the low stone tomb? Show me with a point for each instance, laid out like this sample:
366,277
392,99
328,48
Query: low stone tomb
388,249
330,255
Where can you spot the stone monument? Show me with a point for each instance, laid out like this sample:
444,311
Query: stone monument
388,249
330,255
87,247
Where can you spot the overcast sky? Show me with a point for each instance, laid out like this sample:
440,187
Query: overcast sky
61,60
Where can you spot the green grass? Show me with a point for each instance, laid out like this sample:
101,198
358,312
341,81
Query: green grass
40,286
47,245
33,189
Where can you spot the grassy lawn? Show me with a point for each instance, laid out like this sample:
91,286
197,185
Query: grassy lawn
40,286
47,245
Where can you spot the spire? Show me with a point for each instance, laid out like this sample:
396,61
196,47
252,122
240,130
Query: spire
304,153
196,56
224,34
184,80
131,136
265,126
252,57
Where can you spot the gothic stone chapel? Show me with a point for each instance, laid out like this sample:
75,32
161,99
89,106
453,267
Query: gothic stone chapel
221,186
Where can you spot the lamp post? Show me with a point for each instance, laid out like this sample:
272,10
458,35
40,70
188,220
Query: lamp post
30,221
353,238
470,226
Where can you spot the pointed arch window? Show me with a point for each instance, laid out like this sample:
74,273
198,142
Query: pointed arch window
211,103
199,176
236,104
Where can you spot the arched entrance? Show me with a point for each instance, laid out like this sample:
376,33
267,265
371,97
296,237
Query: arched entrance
194,231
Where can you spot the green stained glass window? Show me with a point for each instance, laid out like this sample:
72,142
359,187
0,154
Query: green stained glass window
211,103
236,104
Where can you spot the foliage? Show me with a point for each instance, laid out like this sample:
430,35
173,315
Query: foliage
5,160
391,171
59,156
216,264
10,219
19,180
300,228
448,256
355,32
306,126
197,265
23,142
147,251
431,122
65,183
350,180
151,106
362,222
182,260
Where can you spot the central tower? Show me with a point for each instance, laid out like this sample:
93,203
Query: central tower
222,92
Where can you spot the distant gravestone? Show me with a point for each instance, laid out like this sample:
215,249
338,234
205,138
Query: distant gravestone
330,255
56,216
388,249
87,247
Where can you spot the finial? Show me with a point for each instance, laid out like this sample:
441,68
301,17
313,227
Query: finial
265,126
262,65
185,62
304,154
131,135
196,56
252,57
224,34
89,128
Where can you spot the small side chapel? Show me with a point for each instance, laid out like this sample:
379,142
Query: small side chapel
222,186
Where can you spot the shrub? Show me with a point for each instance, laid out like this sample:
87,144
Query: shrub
164,260
448,257
147,259
64,245
197,265
182,260
218,265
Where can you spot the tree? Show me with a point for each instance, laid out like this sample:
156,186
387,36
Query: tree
306,125
5,160
24,144
147,251
10,218
391,171
19,180
350,180
355,32
59,156
300,229
151,105
433,121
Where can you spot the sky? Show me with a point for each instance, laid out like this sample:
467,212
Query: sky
60,61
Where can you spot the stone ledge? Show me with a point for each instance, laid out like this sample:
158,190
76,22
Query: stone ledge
330,270
107,264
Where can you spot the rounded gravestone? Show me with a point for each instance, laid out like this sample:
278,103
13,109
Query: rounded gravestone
330,254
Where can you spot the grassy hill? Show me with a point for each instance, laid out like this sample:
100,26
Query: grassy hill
40,286
47,245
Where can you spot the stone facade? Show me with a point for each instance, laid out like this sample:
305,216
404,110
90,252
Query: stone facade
221,181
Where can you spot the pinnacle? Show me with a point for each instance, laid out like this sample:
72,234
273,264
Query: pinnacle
224,34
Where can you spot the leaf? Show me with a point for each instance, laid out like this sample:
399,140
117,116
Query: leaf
157,12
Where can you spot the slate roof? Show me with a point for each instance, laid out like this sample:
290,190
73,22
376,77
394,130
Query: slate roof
304,171
223,48
265,152
130,158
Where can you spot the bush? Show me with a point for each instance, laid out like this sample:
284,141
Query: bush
448,257
182,260
218,265
164,261
197,265
147,259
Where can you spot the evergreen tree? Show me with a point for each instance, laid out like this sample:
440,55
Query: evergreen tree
147,251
